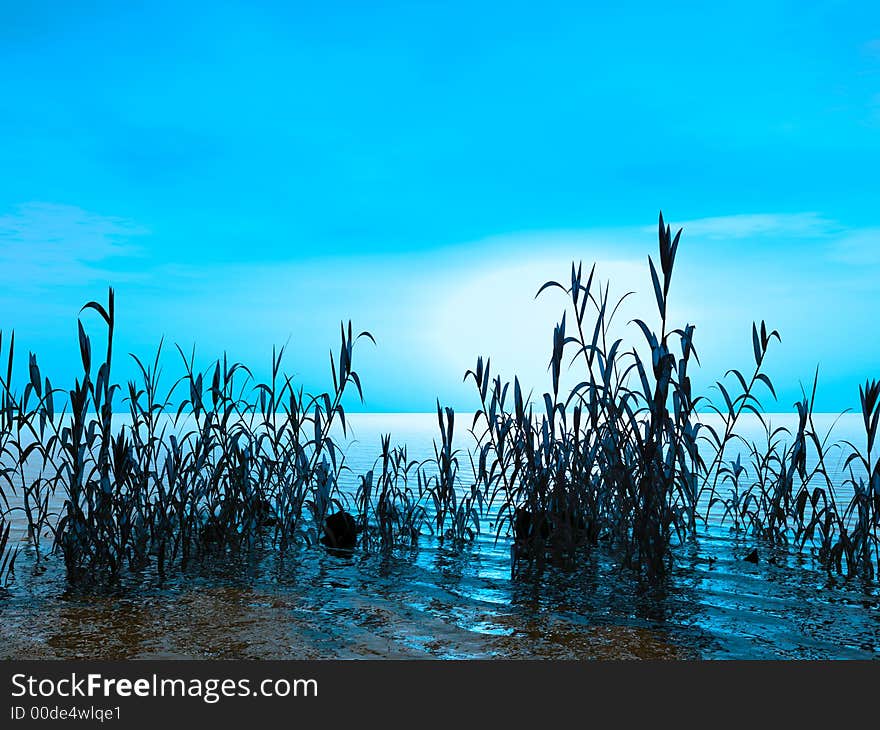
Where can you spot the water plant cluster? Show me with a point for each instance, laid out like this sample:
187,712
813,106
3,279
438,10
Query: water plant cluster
625,458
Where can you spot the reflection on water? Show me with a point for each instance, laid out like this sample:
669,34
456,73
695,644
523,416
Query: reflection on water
446,603
438,601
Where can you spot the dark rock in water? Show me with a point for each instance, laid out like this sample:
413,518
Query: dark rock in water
340,531
524,526
265,514
752,557
571,528
211,532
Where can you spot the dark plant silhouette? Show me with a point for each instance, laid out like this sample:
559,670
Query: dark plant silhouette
625,459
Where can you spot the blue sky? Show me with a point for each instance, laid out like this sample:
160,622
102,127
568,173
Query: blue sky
247,174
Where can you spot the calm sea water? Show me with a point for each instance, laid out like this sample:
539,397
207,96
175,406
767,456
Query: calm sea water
437,601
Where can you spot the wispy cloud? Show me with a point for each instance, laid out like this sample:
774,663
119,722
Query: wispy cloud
858,247
746,225
47,244
631,242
